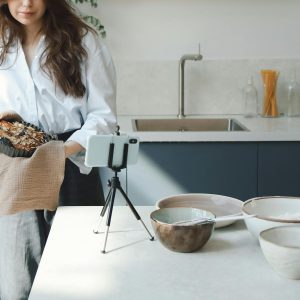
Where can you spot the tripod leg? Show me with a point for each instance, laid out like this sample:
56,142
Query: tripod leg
107,201
108,220
134,211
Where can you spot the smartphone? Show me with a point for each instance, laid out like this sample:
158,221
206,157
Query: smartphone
97,151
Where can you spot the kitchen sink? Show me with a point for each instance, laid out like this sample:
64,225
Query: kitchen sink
225,124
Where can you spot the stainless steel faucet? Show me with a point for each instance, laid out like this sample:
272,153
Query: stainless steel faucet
182,60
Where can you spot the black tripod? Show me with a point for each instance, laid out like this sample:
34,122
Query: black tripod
114,185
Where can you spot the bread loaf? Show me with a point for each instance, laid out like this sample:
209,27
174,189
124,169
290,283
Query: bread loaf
22,136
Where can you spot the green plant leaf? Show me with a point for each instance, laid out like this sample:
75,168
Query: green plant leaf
93,21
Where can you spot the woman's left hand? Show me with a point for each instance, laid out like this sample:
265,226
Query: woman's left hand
71,148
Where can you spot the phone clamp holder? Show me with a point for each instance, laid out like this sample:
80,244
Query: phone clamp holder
115,185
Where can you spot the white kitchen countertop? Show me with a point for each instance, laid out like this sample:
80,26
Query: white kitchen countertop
260,129
231,265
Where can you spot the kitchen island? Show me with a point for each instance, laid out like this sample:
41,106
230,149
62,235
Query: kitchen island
230,266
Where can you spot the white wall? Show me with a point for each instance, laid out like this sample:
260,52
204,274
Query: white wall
226,29
238,38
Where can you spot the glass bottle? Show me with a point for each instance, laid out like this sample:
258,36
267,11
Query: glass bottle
250,99
293,96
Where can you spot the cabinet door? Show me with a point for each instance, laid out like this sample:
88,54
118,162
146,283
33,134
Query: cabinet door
279,169
165,169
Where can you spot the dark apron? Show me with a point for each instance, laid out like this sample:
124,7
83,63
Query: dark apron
77,188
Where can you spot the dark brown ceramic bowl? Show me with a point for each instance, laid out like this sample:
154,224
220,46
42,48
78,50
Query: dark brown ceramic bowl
182,237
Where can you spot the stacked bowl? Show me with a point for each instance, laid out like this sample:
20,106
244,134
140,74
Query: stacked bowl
276,226
271,212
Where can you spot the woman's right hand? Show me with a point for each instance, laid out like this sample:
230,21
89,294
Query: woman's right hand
10,115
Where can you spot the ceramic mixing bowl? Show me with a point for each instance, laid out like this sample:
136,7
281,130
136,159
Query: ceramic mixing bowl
271,212
281,248
219,205
175,232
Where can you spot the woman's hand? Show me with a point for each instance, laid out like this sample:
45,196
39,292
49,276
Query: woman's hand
10,114
71,148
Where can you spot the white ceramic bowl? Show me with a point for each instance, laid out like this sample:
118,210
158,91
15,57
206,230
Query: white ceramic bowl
217,204
281,248
271,212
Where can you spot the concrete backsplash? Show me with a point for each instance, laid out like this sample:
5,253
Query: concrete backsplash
211,86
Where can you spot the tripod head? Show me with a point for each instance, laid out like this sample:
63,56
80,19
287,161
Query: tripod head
111,157
111,154
114,151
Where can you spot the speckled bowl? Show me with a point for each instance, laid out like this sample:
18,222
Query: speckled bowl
281,248
184,237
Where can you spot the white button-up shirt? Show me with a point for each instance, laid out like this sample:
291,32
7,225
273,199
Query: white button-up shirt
33,95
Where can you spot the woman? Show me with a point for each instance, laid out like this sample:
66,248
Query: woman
56,74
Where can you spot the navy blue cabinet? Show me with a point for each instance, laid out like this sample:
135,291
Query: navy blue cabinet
238,169
164,169
279,168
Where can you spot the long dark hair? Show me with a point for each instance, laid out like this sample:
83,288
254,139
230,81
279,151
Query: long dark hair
64,52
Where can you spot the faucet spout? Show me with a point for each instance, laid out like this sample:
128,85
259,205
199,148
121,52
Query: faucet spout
183,59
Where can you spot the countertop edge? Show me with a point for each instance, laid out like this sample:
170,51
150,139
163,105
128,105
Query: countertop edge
259,130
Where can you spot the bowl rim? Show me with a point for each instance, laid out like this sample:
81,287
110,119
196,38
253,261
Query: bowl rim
232,200
179,225
264,239
244,210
